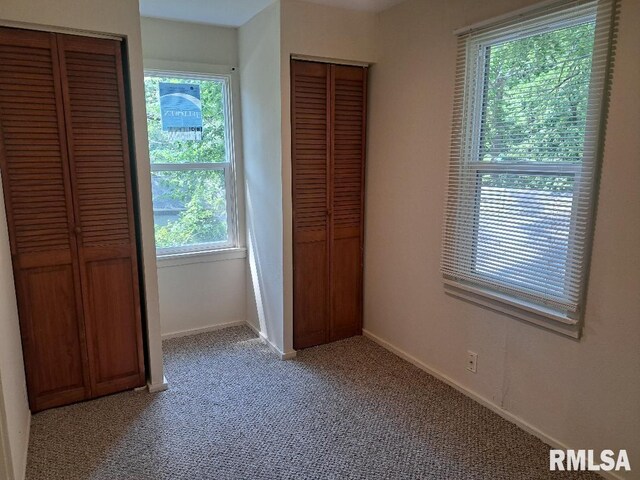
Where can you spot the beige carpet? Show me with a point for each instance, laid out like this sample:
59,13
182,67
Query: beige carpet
349,410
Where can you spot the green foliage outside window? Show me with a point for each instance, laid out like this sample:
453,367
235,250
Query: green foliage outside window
189,204
535,104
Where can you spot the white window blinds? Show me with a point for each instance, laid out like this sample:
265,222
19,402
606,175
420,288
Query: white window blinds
525,146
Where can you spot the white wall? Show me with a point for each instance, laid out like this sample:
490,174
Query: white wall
259,52
328,33
266,44
585,394
205,290
120,17
202,295
4,451
14,407
189,42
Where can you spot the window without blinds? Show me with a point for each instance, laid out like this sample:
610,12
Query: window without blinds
527,112
190,138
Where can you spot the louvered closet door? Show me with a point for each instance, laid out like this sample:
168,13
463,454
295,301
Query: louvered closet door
93,94
328,107
37,193
347,199
310,153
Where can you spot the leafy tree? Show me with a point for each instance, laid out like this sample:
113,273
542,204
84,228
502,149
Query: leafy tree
534,109
536,92
189,205
535,105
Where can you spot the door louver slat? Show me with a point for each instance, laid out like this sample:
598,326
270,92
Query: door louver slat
88,150
28,154
310,191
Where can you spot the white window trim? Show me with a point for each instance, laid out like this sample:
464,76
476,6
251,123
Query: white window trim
223,254
475,67
206,252
514,307
566,323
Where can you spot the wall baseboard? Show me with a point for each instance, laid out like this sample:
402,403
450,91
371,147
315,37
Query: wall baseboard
158,387
196,331
510,417
254,328
213,328
276,350
25,458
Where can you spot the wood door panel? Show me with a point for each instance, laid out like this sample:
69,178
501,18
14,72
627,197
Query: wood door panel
112,309
310,146
349,120
64,156
100,163
310,307
310,169
93,91
328,111
348,158
52,336
38,201
346,282
33,162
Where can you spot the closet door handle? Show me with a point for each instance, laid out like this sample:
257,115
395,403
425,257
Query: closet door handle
77,230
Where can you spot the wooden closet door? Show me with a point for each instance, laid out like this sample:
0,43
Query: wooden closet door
93,92
311,135
349,94
37,194
328,109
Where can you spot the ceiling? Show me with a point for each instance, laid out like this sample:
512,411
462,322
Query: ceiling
365,5
234,13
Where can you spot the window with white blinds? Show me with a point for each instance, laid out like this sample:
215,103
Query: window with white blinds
528,109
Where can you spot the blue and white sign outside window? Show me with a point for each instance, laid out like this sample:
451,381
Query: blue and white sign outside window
181,110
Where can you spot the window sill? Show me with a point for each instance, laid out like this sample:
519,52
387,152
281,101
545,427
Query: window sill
516,308
179,259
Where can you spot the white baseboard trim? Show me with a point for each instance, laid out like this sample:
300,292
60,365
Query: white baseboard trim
23,467
158,387
196,331
289,355
524,425
253,327
276,350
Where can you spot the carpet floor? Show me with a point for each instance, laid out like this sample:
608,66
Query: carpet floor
348,410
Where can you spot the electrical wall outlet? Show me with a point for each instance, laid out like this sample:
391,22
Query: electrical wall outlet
472,361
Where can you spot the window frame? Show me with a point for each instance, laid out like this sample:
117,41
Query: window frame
550,169
521,24
228,167
477,55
